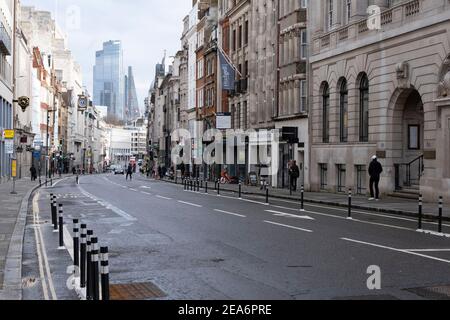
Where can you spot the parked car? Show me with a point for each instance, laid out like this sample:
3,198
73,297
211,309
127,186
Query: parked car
118,170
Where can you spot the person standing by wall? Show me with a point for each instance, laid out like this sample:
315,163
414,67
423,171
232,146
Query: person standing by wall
375,171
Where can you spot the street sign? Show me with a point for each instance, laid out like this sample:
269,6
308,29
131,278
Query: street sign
14,168
8,134
82,103
223,121
36,154
9,147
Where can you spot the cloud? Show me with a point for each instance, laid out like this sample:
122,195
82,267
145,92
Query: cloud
146,28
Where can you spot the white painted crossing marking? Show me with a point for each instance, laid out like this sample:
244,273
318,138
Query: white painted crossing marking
230,213
134,190
396,250
288,226
288,215
145,187
190,204
146,193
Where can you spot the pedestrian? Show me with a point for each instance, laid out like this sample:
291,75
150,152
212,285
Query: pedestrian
294,173
33,173
130,172
74,171
375,171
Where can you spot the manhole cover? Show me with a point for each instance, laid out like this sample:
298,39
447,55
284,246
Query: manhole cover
135,291
432,293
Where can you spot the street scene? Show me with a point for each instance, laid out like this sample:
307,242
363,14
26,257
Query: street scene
218,150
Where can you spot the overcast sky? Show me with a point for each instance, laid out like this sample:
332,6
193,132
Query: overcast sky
146,28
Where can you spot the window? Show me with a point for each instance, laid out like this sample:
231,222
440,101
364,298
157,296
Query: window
341,178
361,180
330,14
323,169
364,109
304,44
414,137
326,114
304,4
303,95
343,120
348,10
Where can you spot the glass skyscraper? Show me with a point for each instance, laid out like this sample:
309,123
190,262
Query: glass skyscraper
108,79
132,110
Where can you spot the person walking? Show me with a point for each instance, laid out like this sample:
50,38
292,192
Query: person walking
375,171
33,173
130,172
294,173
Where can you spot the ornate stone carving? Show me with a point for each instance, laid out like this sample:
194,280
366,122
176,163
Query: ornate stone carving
444,79
402,70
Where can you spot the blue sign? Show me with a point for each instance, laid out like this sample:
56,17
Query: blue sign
36,154
228,73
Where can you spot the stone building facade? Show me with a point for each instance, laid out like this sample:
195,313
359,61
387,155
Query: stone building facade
379,86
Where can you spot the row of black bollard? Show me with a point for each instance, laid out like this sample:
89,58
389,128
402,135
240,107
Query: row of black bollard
350,195
90,260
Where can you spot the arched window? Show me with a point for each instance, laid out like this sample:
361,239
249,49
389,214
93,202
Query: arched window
364,109
326,113
343,117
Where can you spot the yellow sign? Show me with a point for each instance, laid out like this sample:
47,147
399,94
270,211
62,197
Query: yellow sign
14,168
8,134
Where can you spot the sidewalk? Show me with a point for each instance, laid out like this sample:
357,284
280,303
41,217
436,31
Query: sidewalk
390,205
13,212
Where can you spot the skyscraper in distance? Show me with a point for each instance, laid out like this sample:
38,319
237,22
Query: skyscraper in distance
108,79
132,110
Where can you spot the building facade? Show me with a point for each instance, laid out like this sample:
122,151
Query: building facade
379,86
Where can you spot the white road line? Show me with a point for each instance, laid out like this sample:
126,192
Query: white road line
396,250
230,213
164,198
131,189
116,210
38,249
43,249
288,226
190,204
146,193
288,215
428,250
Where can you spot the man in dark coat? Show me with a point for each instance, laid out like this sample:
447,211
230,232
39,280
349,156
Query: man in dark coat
130,172
375,171
294,173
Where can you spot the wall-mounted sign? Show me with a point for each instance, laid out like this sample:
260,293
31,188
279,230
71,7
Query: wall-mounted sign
8,134
82,103
223,121
14,168
9,147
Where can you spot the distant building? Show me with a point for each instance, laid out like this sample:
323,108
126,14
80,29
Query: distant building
132,110
108,79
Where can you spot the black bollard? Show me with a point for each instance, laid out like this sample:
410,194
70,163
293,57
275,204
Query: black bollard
420,211
53,208
61,226
350,203
105,272
218,188
95,269
89,279
302,207
83,256
267,196
76,242
441,207
206,186
55,215
240,190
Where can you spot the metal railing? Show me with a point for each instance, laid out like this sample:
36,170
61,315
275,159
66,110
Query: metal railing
409,174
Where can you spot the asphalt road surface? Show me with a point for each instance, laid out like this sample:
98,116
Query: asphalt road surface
204,246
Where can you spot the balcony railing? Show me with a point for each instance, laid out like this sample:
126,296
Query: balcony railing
400,13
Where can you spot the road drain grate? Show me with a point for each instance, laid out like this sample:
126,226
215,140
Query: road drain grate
432,293
135,291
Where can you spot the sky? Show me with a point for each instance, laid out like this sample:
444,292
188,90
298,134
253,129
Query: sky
146,28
